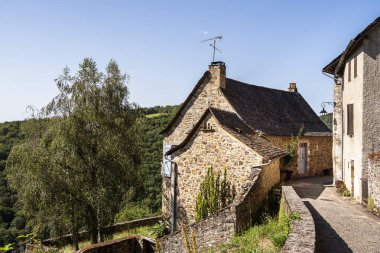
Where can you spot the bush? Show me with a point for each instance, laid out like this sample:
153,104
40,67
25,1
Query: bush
213,194
371,204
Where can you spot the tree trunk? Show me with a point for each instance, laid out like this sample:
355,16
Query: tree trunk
75,239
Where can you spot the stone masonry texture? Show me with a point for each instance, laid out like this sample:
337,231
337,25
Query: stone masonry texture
318,152
371,111
226,223
337,132
215,148
301,238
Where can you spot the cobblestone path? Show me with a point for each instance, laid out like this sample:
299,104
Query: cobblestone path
341,226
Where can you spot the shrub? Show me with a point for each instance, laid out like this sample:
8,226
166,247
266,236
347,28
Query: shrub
213,195
371,204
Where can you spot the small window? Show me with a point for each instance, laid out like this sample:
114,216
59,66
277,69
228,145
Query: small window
349,71
355,66
350,119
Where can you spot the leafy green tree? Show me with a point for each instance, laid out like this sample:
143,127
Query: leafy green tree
77,164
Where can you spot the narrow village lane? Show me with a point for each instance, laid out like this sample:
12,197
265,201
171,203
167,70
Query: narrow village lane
340,225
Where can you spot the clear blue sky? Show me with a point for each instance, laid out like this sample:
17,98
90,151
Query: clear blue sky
268,43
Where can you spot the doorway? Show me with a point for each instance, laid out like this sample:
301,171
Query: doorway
302,165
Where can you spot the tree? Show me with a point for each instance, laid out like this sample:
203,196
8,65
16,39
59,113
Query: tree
75,171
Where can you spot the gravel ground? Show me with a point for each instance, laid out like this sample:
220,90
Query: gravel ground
341,226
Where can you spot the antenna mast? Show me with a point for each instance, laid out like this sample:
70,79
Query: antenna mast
213,45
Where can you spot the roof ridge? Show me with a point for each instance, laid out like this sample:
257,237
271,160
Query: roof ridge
262,87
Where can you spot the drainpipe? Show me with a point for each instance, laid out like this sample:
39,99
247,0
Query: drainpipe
173,197
261,165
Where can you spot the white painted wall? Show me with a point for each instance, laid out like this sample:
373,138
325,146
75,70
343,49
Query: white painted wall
352,146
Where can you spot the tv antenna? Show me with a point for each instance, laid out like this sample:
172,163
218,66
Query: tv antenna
214,39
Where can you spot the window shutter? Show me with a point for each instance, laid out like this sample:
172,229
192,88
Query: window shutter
355,66
167,164
350,119
349,71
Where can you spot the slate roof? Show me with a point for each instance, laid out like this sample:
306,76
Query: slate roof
336,66
237,128
231,123
274,112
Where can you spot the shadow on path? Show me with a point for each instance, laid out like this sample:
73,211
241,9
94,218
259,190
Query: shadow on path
327,240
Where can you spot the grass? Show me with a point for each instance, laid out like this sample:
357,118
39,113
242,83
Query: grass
148,231
154,115
268,237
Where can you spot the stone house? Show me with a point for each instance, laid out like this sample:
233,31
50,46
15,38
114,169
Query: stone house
230,124
356,121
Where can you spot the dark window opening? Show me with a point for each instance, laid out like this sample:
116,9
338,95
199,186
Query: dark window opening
349,71
350,119
355,66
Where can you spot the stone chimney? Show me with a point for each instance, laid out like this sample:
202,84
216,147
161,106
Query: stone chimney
292,87
218,73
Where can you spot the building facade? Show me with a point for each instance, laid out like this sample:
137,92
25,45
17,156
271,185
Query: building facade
356,125
236,126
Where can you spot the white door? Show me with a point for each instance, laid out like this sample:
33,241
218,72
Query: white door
302,164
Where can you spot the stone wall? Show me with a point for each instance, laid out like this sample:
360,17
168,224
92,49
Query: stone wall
215,148
319,153
264,180
371,95
374,180
130,244
337,133
216,229
222,226
301,238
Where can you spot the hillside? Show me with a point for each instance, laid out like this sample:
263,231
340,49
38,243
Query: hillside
11,222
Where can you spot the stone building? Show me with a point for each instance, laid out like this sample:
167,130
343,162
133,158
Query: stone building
356,121
236,126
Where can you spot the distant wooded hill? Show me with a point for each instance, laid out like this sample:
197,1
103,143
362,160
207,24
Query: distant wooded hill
327,119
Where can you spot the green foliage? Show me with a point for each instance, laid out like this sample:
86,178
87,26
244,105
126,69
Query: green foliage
346,193
77,164
290,149
371,204
132,211
283,220
12,222
151,155
267,236
159,230
327,119
7,248
295,216
190,243
213,195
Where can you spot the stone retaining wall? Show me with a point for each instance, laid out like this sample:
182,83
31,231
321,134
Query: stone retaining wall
374,180
302,234
222,226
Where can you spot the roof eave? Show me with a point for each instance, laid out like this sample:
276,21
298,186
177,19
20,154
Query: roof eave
171,123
